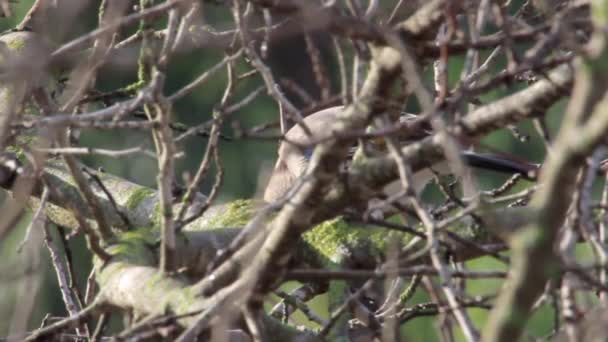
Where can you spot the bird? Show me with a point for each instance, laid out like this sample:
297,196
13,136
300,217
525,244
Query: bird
296,149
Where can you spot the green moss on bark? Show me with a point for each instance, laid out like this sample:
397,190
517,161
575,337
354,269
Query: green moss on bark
138,196
329,239
136,246
234,214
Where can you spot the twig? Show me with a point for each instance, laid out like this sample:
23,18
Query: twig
130,19
66,292
37,219
70,322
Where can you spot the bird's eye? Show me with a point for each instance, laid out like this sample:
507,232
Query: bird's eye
307,152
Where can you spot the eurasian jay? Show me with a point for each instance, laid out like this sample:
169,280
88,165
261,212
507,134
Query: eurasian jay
293,159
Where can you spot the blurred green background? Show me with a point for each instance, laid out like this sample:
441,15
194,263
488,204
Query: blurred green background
243,160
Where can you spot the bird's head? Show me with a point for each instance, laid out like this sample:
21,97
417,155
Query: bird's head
296,150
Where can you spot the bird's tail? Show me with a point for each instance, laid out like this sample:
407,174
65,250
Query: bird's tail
499,163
